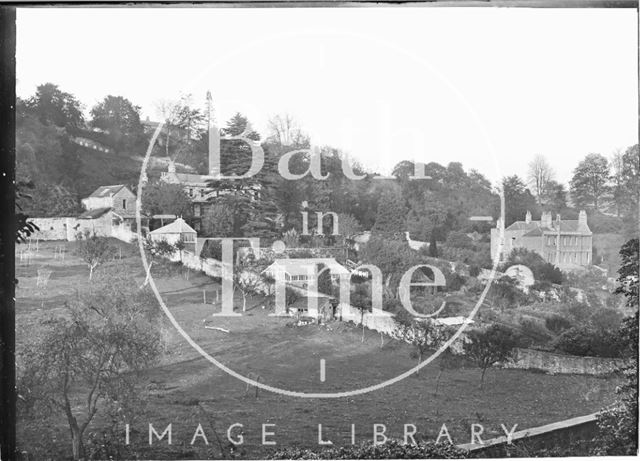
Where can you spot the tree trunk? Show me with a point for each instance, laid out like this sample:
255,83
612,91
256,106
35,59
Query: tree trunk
244,302
362,322
438,381
90,271
484,370
76,435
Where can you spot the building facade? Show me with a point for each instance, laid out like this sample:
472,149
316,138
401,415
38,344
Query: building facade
567,244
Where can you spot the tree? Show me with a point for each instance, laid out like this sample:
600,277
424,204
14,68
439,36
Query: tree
159,197
393,258
488,347
348,226
361,299
98,349
120,118
539,175
217,221
182,123
631,187
391,217
180,245
617,180
518,199
422,334
53,106
590,182
246,279
94,250
619,425
285,131
554,197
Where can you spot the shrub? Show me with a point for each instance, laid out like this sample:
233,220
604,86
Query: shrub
588,341
392,449
557,323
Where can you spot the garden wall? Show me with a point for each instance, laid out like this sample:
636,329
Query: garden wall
563,364
554,435
55,228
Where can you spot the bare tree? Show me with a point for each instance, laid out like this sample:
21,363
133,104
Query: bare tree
284,130
618,179
539,174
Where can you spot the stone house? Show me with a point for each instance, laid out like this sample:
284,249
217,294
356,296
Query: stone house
567,244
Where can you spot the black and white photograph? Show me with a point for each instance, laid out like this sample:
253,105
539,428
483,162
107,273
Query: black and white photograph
319,230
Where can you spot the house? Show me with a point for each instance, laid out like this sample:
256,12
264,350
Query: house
117,197
196,186
566,244
174,231
304,272
110,212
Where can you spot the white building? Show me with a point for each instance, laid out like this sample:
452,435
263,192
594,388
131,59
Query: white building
175,231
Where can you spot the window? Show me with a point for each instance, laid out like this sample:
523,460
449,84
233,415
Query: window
188,238
124,203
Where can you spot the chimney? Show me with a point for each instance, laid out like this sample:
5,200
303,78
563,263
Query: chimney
527,218
172,167
582,218
545,220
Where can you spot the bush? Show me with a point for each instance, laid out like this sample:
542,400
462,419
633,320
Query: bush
557,323
591,342
392,449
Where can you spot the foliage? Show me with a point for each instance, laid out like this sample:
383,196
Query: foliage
160,197
392,449
94,250
505,293
490,346
50,105
23,227
392,257
518,200
619,425
542,270
590,182
120,118
390,218
589,341
100,345
557,323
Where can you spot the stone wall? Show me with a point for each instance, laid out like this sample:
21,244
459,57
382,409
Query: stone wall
554,435
562,364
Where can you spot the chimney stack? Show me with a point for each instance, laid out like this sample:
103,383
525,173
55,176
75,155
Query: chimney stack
582,218
527,218
545,220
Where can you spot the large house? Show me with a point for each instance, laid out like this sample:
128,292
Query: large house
566,243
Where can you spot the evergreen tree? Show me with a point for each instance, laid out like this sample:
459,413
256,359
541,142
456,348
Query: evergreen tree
391,217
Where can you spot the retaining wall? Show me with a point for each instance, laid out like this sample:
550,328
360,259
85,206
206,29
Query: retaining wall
563,364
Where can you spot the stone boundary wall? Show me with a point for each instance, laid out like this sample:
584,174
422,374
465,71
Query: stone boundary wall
561,433
553,363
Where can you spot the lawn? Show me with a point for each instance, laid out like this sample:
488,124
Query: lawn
185,389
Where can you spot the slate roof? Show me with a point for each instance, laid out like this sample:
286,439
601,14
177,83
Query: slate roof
535,229
105,191
93,214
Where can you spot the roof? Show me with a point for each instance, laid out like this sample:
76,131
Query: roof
534,228
106,191
300,266
93,214
179,226
459,320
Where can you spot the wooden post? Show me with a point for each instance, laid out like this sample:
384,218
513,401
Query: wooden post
204,296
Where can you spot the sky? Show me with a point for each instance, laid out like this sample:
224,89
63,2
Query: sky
487,87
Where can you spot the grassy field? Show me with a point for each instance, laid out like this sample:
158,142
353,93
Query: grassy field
185,389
